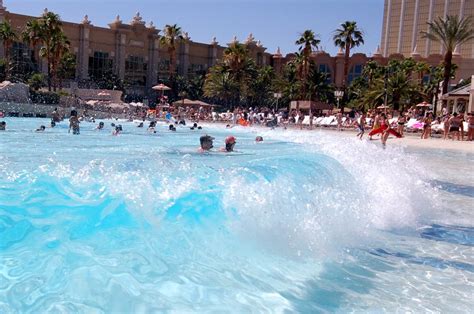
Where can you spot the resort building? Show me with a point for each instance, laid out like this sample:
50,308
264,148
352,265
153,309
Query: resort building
403,20
131,50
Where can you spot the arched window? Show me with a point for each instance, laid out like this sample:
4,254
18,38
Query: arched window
324,68
354,72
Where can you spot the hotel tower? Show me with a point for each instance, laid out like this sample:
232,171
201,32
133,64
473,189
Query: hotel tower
404,20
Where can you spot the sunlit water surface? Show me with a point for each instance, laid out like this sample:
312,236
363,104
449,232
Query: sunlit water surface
303,222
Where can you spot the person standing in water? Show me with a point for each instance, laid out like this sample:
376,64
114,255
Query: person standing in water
74,123
361,126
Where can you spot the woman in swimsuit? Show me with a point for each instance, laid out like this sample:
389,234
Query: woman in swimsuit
401,123
446,126
427,126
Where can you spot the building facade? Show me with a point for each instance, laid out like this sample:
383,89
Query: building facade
404,20
130,50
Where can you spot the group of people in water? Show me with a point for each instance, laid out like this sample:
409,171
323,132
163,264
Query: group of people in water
379,121
206,141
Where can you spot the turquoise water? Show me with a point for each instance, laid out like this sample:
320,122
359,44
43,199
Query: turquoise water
303,222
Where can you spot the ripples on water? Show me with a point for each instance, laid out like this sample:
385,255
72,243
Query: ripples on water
302,222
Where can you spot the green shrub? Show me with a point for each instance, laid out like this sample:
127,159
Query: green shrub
39,97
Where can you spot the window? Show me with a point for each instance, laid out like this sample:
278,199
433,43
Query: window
23,59
135,71
354,72
324,68
100,64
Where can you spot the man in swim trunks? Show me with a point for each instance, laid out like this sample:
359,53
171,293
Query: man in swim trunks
74,123
454,125
206,143
361,126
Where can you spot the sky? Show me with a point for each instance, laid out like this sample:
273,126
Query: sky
276,23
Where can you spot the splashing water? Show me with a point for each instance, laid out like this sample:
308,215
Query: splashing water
305,221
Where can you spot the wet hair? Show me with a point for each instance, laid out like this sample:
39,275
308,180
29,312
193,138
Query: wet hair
199,127
101,123
195,125
191,128
53,124
205,139
259,139
73,113
112,124
3,123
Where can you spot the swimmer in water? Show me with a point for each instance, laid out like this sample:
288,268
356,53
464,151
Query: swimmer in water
117,130
3,126
41,129
229,144
74,123
100,126
206,142
259,139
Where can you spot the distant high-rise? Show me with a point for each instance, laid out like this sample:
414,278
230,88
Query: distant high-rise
403,21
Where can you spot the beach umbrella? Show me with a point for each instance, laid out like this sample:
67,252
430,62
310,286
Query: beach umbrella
423,104
161,87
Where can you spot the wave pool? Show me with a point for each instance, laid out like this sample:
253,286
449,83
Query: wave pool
302,222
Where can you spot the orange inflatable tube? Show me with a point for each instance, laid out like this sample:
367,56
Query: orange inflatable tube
242,122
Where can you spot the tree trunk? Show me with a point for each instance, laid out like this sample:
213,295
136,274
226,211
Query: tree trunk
346,65
448,57
171,52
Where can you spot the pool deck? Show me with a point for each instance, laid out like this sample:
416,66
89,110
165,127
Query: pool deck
414,140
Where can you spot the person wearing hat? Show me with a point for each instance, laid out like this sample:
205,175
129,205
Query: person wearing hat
229,144
206,143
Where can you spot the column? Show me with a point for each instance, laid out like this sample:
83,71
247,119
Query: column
446,4
400,28
2,19
153,56
184,58
119,64
83,52
387,26
212,54
414,35
430,18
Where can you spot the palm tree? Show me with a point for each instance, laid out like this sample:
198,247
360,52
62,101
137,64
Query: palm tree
32,35
8,36
171,34
346,38
50,30
307,42
450,32
421,68
59,48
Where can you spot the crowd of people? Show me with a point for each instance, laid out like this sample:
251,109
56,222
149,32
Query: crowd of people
380,122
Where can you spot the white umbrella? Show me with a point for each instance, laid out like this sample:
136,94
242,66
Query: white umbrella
423,104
